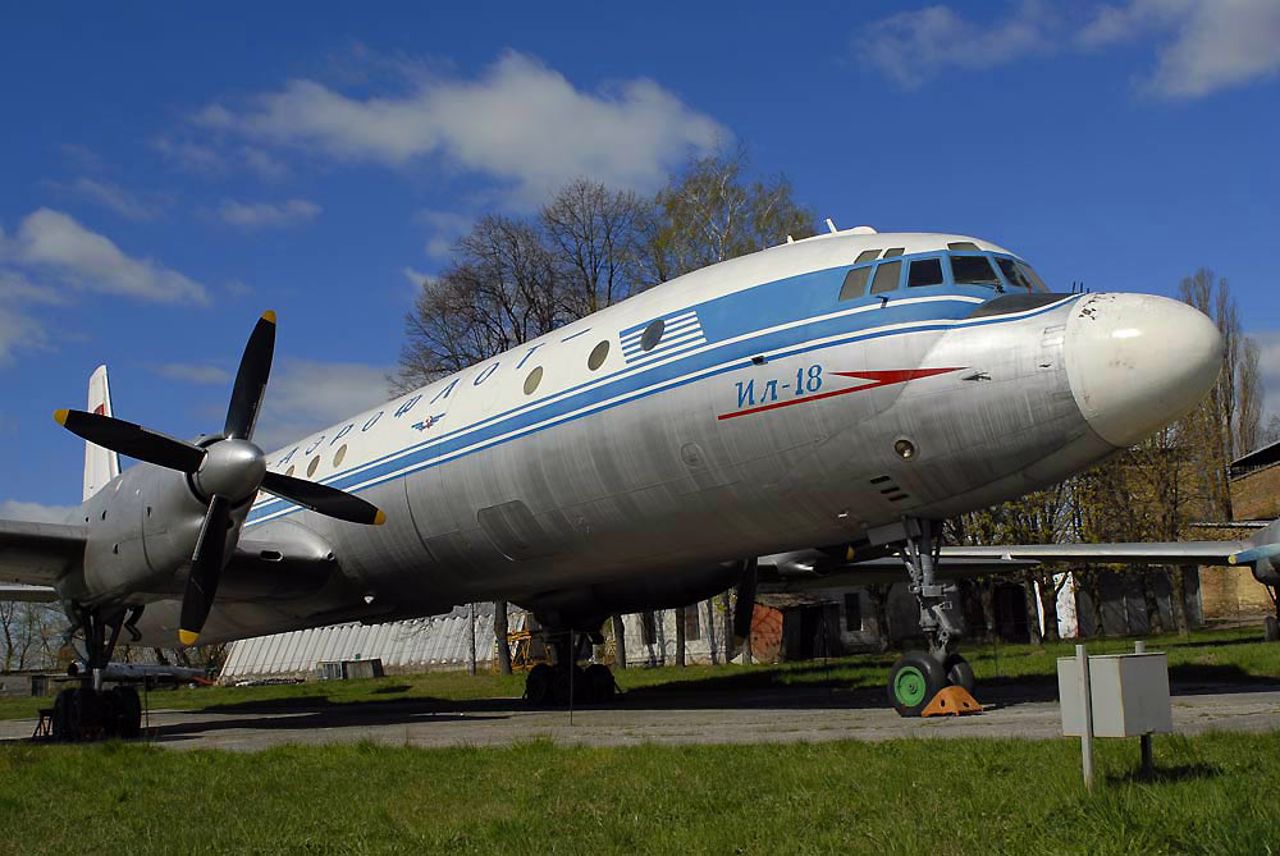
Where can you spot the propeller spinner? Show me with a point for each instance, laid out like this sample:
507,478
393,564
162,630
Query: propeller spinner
227,472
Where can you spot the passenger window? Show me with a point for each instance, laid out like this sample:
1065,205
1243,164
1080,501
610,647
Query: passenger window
924,272
886,278
973,270
597,356
855,283
866,256
896,251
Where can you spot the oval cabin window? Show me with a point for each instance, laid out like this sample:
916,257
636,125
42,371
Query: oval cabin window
652,335
598,355
531,382
311,467
339,455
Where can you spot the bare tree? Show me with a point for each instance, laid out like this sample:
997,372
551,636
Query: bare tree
595,237
711,213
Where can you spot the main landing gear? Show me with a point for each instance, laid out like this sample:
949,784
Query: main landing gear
918,677
89,712
554,685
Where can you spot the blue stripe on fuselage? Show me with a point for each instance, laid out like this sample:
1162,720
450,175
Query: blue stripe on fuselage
626,386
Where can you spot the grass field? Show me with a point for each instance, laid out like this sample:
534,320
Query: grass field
1215,794
1237,656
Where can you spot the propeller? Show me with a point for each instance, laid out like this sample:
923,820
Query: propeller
227,471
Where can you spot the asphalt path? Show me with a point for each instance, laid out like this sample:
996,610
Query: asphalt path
777,715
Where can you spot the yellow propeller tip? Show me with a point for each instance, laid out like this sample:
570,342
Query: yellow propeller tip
379,518
1231,560
187,638
60,416
269,315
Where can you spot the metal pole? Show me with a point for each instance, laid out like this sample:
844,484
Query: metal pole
573,656
1086,736
1148,758
471,639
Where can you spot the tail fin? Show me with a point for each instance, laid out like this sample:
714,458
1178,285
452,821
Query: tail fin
100,465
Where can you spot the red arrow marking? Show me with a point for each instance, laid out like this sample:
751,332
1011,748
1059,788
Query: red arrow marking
887,377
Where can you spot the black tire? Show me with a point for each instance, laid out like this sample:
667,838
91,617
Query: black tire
913,682
128,712
1271,629
63,727
538,685
959,672
599,683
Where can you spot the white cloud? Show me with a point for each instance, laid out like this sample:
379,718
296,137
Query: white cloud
265,215
1202,45
56,245
911,47
444,230
1207,45
191,157
304,396
35,512
416,277
1269,367
123,202
520,122
196,373
19,330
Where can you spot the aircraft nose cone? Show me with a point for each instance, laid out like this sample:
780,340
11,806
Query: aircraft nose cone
1137,362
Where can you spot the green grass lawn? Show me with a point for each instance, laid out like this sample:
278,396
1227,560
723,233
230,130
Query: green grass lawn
1216,794
1216,656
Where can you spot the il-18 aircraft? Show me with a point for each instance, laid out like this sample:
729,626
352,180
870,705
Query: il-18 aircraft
849,390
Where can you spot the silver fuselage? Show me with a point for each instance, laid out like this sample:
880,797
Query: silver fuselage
779,418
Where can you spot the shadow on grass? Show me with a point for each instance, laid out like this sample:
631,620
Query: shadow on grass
1180,773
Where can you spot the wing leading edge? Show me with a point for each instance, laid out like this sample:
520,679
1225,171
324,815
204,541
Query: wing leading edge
39,553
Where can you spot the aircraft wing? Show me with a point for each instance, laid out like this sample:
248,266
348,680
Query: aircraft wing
39,553
1155,553
25,593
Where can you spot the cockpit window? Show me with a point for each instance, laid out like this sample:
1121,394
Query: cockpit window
1020,275
855,283
894,251
924,272
962,245
886,278
866,256
973,270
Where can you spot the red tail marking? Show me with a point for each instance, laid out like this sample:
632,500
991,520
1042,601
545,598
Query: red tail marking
100,410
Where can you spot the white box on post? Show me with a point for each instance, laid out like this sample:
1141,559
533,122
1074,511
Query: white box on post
1130,695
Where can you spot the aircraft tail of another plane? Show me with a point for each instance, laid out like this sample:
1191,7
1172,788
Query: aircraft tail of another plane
100,465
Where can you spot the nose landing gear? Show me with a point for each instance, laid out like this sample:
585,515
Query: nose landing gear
918,677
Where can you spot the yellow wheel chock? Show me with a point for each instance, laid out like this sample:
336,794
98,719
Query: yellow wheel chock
952,701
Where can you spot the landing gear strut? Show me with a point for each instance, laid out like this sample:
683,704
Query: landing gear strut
88,712
918,676
554,685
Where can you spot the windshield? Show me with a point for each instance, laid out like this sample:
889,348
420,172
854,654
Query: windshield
974,270
1021,276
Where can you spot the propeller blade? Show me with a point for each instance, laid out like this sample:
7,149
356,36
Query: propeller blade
746,605
132,440
251,379
323,499
206,569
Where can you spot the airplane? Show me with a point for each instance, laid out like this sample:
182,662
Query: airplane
851,389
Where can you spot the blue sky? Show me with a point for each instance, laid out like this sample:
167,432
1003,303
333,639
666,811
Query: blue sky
166,174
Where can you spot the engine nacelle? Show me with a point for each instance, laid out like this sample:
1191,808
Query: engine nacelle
142,528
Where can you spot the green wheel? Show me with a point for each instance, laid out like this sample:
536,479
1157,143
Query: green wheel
913,682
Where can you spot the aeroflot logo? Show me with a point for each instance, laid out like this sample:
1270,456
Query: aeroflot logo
809,383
